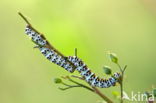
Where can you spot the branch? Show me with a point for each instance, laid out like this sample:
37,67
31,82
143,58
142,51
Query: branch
97,91
69,87
78,84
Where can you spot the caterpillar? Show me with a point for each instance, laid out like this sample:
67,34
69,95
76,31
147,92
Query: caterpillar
70,63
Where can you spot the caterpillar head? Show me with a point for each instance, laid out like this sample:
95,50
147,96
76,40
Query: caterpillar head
117,75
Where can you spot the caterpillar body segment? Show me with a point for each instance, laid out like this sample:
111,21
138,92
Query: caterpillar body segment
90,77
35,36
52,56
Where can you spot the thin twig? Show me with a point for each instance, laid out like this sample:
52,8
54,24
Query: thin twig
121,81
24,18
75,52
69,87
77,77
121,89
98,92
124,68
119,67
66,84
82,85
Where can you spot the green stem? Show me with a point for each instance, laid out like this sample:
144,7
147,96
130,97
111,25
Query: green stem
66,84
121,89
121,81
82,85
69,87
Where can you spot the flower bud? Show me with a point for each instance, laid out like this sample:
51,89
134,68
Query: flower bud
107,70
57,80
113,57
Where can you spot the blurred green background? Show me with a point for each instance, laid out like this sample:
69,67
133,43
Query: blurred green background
126,27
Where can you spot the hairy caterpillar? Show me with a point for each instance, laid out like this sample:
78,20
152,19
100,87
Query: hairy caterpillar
70,63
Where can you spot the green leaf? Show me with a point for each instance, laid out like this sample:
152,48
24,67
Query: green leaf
107,70
113,57
57,80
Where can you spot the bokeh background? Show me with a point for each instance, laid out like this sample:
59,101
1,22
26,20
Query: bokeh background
126,27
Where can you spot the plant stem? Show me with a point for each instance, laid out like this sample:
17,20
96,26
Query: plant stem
121,81
95,90
98,92
75,52
24,18
82,85
121,89
69,87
